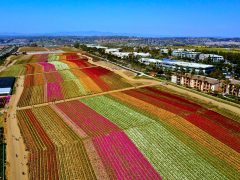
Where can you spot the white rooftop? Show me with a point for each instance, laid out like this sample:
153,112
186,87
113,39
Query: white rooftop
112,50
96,46
5,90
121,53
178,63
141,54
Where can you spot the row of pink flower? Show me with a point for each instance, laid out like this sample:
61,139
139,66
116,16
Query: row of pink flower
122,159
48,67
88,120
54,91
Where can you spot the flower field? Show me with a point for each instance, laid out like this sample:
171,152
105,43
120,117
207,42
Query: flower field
65,84
143,133
50,58
45,63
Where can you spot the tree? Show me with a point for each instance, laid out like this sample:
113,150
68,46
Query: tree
34,45
160,70
225,84
201,72
237,88
193,71
168,73
76,45
170,52
176,68
217,74
153,66
182,70
187,70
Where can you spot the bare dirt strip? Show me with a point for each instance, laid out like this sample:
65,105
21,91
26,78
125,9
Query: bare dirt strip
17,156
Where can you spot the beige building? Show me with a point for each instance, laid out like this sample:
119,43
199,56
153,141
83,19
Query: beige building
201,83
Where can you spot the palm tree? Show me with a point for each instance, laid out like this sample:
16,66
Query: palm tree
193,71
237,88
168,73
176,69
225,85
182,71
201,71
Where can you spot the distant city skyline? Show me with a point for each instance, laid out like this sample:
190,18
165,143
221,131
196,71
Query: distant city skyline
196,18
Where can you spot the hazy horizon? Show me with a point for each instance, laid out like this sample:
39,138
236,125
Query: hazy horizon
152,18
103,34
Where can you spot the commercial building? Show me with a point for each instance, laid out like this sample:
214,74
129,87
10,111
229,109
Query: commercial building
6,85
174,64
141,54
148,61
111,50
213,57
186,54
96,46
121,54
164,51
116,52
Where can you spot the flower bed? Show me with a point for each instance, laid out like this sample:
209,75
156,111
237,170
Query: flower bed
122,159
54,92
86,119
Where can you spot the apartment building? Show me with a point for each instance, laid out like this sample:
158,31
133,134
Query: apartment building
201,83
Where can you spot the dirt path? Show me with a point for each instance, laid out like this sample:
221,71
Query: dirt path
17,168
46,49
88,96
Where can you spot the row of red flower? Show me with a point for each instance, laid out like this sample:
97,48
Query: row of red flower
222,128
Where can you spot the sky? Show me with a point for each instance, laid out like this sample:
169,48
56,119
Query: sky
196,18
